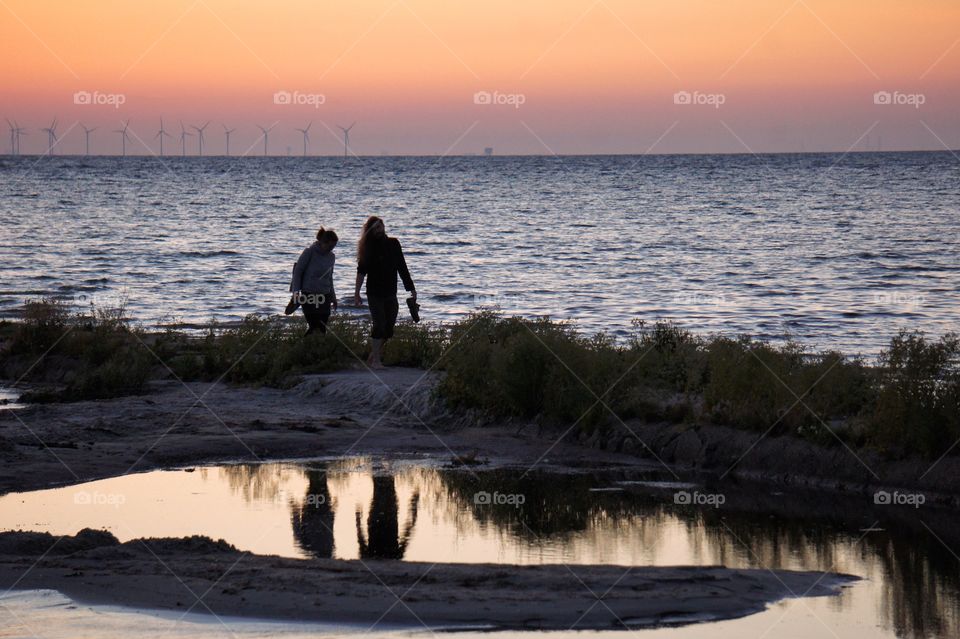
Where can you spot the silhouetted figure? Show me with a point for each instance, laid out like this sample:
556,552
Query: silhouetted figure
383,539
312,282
380,260
313,520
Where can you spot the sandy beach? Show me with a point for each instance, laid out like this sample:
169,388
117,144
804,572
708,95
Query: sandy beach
396,411
199,575
350,412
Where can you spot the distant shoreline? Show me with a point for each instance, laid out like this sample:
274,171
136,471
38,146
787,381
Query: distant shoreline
480,156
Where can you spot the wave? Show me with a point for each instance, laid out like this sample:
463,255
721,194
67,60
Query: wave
202,254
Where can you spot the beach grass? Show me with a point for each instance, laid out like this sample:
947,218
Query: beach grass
907,402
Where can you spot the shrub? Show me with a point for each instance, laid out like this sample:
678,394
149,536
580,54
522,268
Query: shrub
759,386
918,403
43,323
536,368
514,366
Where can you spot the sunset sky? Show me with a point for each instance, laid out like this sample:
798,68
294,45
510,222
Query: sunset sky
572,76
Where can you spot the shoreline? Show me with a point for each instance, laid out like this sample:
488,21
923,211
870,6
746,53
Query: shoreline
332,415
396,412
200,575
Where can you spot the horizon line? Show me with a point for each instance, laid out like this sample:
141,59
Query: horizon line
339,156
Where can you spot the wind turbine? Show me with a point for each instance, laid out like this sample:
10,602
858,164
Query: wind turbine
18,131
87,133
266,131
227,132
346,138
123,136
51,136
199,130
306,137
160,135
13,133
183,139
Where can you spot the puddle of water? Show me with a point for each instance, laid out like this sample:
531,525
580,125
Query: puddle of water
365,508
48,614
9,399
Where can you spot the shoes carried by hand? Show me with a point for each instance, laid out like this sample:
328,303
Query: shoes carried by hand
414,309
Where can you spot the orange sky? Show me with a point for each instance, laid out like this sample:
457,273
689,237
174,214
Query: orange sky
595,76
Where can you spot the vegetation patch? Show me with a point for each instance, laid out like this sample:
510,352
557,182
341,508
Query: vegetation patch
907,403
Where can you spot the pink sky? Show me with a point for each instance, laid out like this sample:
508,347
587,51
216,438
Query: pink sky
563,76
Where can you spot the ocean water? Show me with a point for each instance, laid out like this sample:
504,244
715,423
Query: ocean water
833,250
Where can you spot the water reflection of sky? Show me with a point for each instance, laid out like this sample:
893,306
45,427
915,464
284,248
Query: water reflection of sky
362,508
8,398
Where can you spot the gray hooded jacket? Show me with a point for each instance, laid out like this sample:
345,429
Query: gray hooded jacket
313,272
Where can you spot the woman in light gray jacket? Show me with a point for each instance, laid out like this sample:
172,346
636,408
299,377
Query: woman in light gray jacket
312,284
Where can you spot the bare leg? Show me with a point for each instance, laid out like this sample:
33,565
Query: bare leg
376,346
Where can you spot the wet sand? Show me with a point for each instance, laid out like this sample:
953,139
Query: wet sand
395,412
199,575
344,413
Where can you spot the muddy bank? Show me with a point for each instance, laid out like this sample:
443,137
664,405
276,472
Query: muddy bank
345,413
397,412
726,453
201,575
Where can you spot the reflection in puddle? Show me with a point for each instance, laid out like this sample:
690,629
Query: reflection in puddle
9,399
402,510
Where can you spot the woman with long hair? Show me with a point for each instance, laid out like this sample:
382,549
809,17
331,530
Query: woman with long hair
380,260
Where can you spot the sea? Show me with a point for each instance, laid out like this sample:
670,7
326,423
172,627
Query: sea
835,251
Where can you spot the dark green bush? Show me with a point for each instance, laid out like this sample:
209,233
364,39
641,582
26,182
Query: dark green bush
918,404
762,387
534,368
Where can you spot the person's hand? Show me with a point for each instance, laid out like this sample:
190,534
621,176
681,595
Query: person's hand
413,295
356,299
333,304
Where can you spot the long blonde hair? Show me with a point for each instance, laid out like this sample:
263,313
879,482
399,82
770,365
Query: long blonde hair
365,236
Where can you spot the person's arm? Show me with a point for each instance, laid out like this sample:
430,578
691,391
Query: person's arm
356,289
404,271
333,286
296,284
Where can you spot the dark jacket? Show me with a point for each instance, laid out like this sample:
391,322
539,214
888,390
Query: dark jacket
382,262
